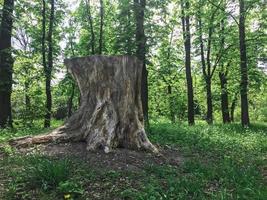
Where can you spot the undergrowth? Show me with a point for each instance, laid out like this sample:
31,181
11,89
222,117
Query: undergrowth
220,162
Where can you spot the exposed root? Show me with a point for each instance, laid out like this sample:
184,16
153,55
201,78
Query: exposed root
55,136
59,136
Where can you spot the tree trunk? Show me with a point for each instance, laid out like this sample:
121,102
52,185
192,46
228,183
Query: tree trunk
187,46
209,75
101,27
70,102
27,97
129,41
207,67
223,80
172,114
224,98
209,102
233,105
111,113
6,64
90,21
44,36
243,66
48,70
141,52
205,75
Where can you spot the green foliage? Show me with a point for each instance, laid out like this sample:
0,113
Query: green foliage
164,54
7,149
47,174
70,187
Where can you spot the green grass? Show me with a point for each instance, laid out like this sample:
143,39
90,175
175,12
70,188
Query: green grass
220,162
49,177
19,130
223,162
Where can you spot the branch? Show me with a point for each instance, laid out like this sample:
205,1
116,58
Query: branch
222,9
219,57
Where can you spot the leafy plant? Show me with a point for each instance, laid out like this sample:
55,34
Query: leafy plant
46,173
70,187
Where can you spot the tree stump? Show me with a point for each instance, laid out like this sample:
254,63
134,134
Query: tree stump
110,114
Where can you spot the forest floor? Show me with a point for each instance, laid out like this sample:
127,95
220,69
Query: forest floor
200,162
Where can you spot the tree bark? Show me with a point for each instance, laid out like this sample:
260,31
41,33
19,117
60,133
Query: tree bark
110,114
101,27
233,105
224,98
141,52
209,118
187,46
243,66
44,39
209,75
49,67
207,78
223,81
6,64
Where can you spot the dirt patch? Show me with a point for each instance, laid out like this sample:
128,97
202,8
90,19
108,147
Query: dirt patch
119,159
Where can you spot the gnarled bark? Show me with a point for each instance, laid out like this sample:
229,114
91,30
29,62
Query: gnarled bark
111,113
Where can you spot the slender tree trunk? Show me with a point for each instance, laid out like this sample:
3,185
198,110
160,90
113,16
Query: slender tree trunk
46,123
169,91
44,35
206,75
101,27
224,98
27,97
209,102
141,52
129,44
203,62
187,46
70,102
233,105
243,66
172,114
90,21
48,72
223,81
6,64
209,78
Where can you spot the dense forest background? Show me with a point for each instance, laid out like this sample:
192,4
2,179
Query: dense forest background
202,57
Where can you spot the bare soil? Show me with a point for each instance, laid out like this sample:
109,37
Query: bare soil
118,159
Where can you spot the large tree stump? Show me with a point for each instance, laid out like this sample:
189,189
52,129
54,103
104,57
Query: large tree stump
111,113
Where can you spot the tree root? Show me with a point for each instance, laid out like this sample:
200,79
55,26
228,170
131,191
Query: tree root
26,141
59,136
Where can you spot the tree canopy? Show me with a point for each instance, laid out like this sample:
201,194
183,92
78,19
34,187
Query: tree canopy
161,34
